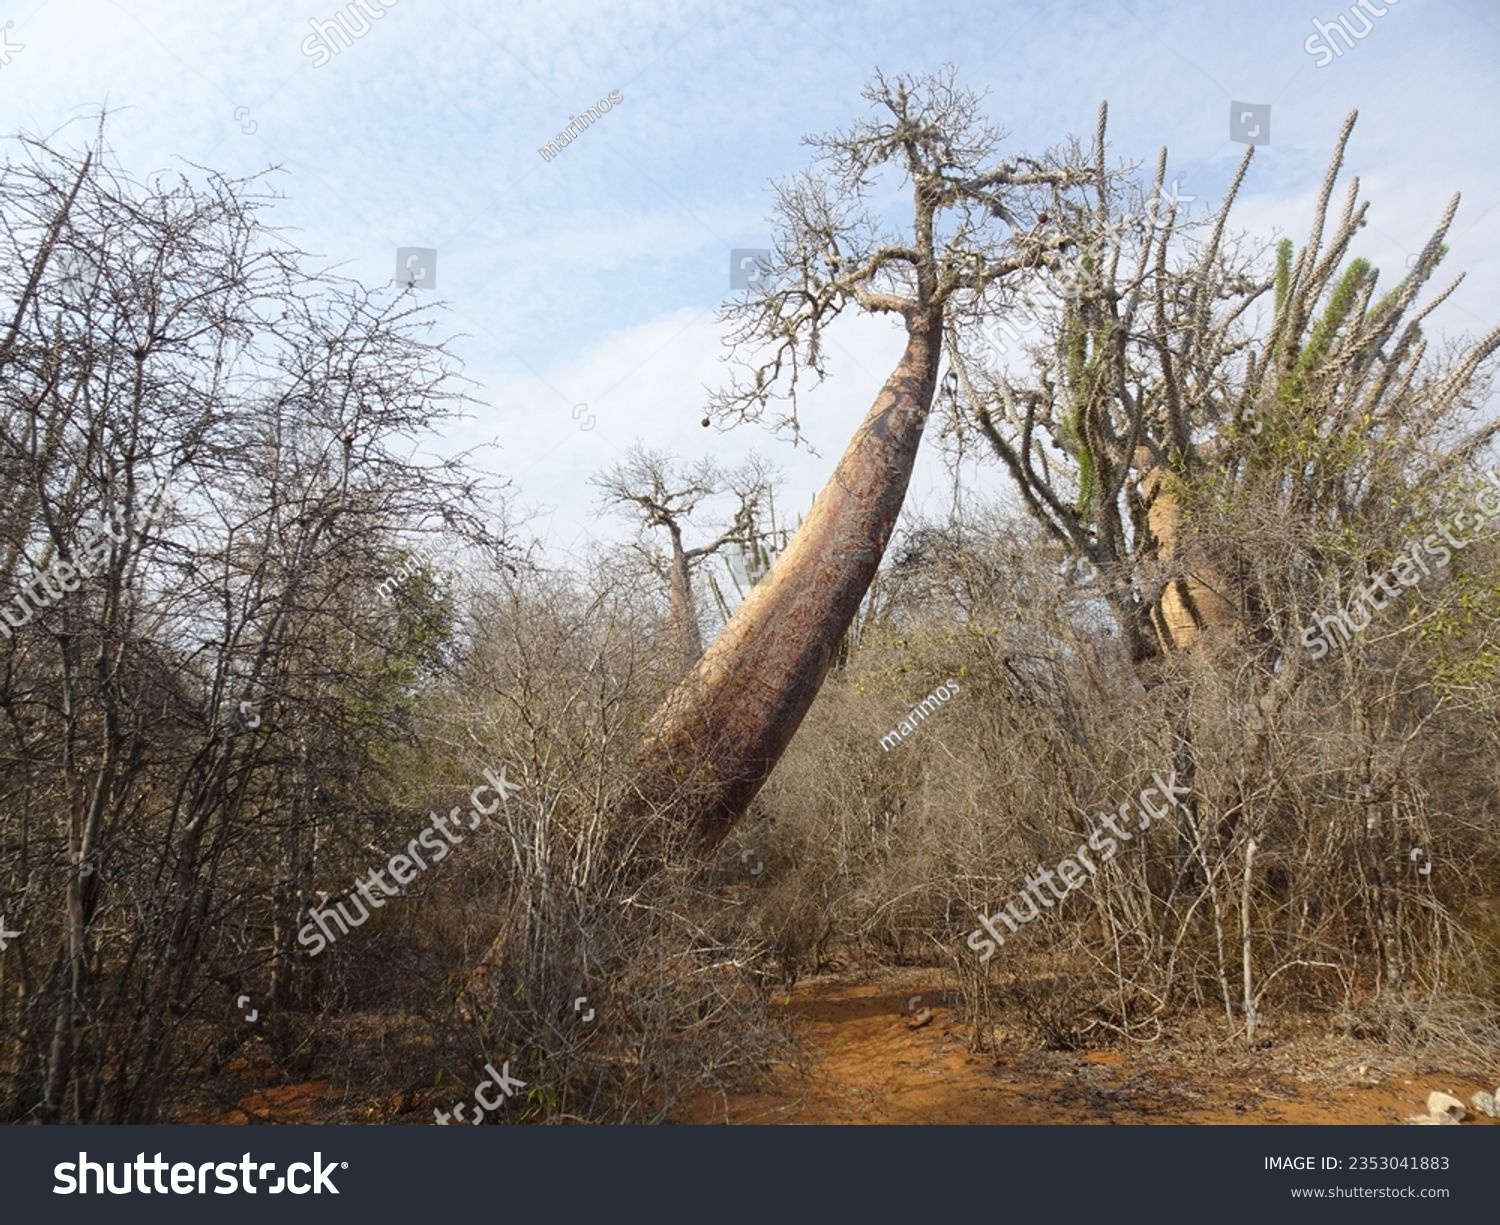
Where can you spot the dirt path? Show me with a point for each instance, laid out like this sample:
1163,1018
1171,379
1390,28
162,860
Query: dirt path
867,1064
894,1052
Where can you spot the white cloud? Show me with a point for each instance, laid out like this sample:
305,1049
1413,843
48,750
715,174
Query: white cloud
605,265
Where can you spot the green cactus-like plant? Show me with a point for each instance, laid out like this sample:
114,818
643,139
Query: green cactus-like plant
1283,270
1086,346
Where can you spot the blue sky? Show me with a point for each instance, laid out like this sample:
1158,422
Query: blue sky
594,278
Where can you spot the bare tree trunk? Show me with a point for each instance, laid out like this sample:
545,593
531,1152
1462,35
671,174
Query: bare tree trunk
1246,957
682,608
716,738
1376,852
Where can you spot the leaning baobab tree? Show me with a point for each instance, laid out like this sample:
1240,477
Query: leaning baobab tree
663,494
970,236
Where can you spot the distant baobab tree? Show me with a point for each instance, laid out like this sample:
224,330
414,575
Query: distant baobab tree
664,494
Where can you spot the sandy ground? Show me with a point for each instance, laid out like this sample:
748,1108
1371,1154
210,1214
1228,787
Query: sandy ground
893,1051
866,1063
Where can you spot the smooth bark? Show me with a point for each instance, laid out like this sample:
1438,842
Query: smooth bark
682,608
716,739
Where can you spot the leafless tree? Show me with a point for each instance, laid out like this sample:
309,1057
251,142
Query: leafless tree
969,239
188,720
664,494
1150,357
1206,429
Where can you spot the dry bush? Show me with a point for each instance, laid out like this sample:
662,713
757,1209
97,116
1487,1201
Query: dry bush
880,857
554,687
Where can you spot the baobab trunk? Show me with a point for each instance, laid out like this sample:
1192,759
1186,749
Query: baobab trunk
716,738
681,607
1198,601
720,732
